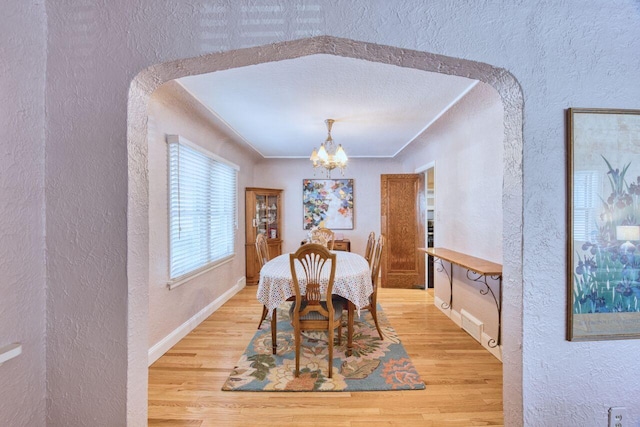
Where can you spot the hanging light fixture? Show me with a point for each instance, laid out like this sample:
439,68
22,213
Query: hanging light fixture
328,156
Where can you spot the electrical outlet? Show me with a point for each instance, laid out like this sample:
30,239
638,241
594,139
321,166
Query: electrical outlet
617,417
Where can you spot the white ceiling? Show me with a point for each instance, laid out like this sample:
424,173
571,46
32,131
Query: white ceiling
279,108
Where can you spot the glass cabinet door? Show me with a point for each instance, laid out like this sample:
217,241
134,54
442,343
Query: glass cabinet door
266,220
272,217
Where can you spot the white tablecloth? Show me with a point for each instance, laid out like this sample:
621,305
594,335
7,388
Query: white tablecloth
352,280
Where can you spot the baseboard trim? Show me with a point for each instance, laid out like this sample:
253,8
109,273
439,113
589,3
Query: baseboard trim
456,318
162,346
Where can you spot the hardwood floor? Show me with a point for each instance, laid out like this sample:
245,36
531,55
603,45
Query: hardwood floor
464,381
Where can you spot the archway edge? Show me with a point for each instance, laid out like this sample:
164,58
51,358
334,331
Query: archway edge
148,80
500,79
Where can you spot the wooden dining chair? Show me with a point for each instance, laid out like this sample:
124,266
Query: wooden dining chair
327,236
371,246
313,310
262,250
375,269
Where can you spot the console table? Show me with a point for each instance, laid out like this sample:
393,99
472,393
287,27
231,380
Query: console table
478,270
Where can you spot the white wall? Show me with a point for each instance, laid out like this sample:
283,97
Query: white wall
466,146
22,215
575,53
172,111
288,175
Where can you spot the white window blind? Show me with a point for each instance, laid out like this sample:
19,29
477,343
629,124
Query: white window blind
585,204
202,208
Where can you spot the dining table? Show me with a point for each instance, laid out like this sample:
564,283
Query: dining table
352,281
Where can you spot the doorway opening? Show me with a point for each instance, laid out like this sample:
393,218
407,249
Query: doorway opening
429,171
138,202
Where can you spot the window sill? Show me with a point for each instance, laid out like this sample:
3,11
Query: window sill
179,281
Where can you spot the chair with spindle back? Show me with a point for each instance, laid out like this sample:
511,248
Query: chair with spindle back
375,270
327,237
313,309
262,250
371,245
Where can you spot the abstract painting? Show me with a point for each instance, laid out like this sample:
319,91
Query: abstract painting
327,203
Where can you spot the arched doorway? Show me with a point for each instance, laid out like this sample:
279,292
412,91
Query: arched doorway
138,202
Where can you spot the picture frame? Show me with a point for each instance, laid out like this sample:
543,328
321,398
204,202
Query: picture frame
603,224
327,203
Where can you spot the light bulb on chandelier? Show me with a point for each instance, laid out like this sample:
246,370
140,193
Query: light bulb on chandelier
328,156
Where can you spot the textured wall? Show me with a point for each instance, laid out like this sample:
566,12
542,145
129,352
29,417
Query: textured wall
576,53
86,189
466,144
22,215
172,111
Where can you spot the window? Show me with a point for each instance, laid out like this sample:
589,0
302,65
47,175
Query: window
202,208
585,203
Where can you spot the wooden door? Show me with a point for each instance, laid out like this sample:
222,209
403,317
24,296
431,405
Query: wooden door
402,223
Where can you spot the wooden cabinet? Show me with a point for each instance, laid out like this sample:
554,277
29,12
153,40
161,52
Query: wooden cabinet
342,245
263,214
338,245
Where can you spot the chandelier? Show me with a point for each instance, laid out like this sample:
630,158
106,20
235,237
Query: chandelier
328,156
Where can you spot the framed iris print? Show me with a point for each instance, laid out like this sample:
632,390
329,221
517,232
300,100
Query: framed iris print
327,203
603,224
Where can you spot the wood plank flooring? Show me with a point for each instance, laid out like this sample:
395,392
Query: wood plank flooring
464,381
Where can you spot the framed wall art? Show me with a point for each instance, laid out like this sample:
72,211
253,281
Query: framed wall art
603,224
327,203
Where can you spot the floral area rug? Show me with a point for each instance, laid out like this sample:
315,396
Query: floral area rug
374,365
